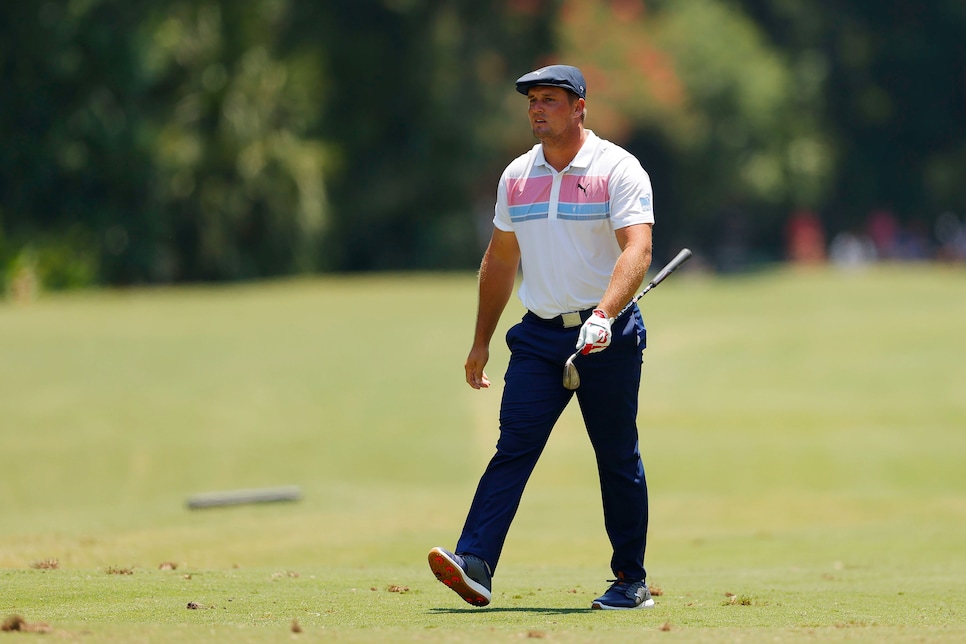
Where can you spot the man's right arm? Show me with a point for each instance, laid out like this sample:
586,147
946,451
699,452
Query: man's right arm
498,272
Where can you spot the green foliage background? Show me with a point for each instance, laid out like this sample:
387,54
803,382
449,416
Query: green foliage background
171,141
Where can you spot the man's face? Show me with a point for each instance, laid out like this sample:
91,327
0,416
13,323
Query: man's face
551,111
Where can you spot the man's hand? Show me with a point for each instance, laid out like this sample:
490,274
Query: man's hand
475,376
595,333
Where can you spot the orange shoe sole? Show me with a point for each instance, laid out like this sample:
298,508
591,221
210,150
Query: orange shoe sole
453,577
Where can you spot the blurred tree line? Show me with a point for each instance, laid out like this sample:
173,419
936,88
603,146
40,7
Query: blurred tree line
183,140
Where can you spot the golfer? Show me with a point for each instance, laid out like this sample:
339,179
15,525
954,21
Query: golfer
576,211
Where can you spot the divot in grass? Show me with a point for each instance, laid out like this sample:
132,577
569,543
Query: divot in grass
19,624
736,600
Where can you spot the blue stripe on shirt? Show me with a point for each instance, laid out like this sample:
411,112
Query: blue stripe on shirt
527,212
600,210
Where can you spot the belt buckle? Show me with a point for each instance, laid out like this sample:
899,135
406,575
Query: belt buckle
571,319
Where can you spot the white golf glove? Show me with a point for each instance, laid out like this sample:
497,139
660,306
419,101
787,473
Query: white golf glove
595,333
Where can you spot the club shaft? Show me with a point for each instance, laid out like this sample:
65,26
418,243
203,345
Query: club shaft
571,379
669,268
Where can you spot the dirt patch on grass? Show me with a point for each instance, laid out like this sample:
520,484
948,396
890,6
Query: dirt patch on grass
735,600
19,624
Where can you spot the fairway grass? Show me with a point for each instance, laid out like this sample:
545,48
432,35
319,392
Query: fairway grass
804,434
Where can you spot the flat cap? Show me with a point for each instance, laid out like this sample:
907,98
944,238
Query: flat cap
563,76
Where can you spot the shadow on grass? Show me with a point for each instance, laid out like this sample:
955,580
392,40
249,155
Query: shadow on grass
520,609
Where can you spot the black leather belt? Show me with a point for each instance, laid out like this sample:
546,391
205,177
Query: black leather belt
565,320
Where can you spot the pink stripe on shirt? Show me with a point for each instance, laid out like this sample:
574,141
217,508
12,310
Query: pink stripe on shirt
582,189
528,190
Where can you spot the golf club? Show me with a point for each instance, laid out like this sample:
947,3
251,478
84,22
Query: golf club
239,497
571,379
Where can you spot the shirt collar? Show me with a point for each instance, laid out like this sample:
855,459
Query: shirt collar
584,156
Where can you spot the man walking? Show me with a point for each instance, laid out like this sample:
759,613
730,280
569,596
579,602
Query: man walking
576,210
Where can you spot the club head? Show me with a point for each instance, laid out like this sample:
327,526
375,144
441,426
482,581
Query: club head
571,379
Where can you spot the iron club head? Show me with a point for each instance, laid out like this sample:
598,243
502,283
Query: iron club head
571,379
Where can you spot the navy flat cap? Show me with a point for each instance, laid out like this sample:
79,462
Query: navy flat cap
563,76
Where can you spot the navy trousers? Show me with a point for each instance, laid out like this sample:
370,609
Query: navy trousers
533,399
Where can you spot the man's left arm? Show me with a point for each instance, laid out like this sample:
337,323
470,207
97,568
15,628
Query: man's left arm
631,267
633,217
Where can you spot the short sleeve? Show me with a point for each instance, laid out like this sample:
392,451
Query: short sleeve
631,197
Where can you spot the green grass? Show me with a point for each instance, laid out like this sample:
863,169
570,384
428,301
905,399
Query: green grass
804,435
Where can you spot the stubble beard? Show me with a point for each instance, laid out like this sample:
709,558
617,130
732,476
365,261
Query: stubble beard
550,138
544,133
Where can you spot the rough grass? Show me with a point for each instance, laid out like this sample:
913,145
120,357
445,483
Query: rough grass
803,434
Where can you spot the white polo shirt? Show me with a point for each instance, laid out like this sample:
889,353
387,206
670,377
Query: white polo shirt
564,221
